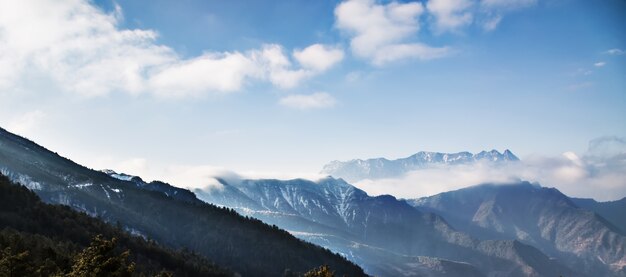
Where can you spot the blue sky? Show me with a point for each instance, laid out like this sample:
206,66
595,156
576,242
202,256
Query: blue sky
286,86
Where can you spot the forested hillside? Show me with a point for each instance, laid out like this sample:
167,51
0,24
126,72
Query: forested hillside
244,245
42,240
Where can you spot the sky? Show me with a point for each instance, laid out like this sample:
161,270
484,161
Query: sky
174,90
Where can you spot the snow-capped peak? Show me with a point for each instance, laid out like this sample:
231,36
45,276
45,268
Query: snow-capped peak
355,170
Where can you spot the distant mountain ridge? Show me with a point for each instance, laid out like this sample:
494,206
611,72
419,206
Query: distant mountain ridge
357,169
538,216
613,211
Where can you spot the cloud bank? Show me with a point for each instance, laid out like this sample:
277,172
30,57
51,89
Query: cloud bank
383,33
195,177
600,174
78,48
81,49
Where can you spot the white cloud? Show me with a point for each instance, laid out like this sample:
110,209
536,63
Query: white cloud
76,45
599,64
450,14
384,33
82,50
197,176
615,51
378,29
316,100
179,175
318,57
434,180
278,67
215,72
599,174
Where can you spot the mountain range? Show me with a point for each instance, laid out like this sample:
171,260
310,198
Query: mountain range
357,169
170,216
384,235
271,227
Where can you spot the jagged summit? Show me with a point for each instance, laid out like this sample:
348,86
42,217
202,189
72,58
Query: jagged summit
358,169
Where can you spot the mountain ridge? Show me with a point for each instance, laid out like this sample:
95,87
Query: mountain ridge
341,217
51,234
377,168
541,217
220,234
613,211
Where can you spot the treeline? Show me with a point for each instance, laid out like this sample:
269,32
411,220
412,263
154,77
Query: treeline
38,239
34,255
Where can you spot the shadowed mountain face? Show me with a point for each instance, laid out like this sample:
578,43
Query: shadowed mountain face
356,170
541,217
613,211
53,234
168,215
387,237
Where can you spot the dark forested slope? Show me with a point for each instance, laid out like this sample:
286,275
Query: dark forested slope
244,245
42,239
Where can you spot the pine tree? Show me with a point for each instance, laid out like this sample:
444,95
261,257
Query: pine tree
14,264
322,271
99,259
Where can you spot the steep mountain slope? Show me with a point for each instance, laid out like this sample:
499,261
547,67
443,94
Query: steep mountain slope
613,211
52,234
385,236
244,245
356,170
541,217
165,188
